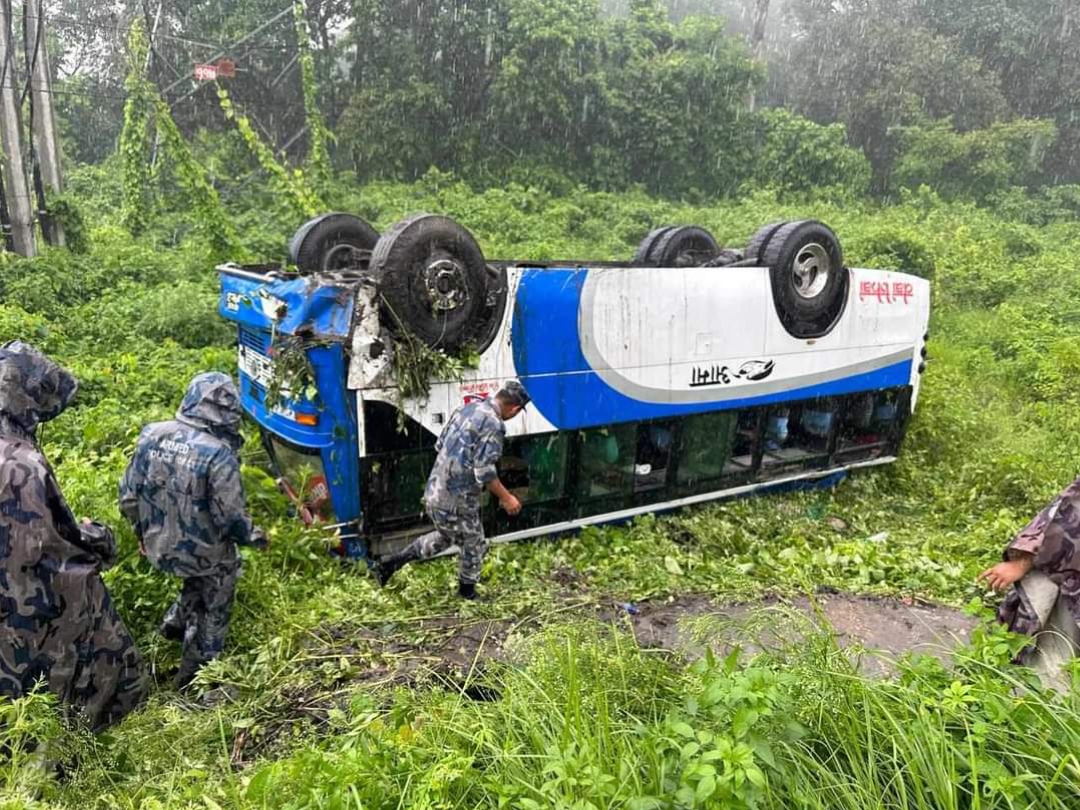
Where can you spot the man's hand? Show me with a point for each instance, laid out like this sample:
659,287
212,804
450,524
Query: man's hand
1004,574
507,501
510,504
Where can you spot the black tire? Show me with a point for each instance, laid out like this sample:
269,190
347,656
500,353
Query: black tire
760,241
645,248
331,242
809,280
433,280
686,246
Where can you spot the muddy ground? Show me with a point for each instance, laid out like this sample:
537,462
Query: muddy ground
450,645
453,650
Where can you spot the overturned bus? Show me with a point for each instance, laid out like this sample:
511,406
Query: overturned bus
687,374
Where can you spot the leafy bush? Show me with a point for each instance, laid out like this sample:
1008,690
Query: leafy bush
797,155
976,164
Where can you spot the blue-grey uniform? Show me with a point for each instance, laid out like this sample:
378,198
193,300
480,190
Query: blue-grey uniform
468,450
57,621
183,494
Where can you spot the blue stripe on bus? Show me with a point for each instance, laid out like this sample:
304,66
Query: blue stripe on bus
549,361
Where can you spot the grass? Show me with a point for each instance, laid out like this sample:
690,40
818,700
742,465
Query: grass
307,711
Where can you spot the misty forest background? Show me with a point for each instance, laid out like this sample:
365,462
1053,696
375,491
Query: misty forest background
685,98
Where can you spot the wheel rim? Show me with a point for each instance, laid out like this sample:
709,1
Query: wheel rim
811,270
444,279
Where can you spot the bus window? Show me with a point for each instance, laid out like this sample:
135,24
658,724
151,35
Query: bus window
385,433
797,436
705,448
394,486
869,425
605,467
744,445
534,469
655,443
302,478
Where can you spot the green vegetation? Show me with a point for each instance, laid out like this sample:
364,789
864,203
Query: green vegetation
309,715
936,137
665,94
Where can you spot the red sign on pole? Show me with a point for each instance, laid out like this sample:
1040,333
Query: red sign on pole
226,68
206,73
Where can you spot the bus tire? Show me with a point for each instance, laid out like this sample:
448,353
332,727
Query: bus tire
433,280
331,242
809,280
685,246
760,241
645,248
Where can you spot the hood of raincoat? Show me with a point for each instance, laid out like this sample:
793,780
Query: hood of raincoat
212,403
33,389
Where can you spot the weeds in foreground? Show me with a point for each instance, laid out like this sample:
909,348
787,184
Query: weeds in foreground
580,716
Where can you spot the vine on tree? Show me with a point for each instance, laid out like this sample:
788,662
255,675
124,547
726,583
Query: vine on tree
135,136
145,112
318,160
206,204
291,182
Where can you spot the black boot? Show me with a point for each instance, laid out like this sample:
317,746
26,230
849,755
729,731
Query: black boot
467,590
388,566
172,632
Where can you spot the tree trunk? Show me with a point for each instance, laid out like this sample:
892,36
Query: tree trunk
16,187
757,42
44,118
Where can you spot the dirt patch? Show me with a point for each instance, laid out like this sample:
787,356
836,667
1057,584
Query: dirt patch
887,628
454,651
452,648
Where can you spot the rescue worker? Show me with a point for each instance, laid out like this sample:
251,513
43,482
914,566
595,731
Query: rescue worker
468,449
183,494
57,622
1042,566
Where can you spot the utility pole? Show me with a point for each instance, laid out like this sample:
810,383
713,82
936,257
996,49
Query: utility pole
43,117
16,188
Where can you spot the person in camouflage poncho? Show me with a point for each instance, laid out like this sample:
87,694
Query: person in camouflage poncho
468,450
1042,565
183,494
57,622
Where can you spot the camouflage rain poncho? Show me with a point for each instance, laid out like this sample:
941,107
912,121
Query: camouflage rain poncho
57,622
182,491
183,494
1048,597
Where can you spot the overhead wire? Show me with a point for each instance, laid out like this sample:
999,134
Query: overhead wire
71,22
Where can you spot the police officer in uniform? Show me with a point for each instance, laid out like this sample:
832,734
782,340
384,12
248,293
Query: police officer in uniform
183,494
468,450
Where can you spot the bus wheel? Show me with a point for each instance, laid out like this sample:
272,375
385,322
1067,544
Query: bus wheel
641,255
433,280
809,280
760,241
685,246
331,242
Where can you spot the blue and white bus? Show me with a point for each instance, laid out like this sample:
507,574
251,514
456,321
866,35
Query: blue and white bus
688,374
